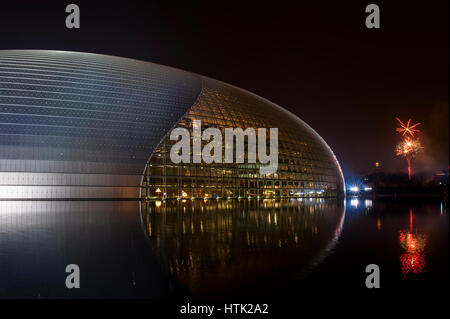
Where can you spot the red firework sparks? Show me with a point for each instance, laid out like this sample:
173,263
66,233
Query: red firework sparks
407,128
409,147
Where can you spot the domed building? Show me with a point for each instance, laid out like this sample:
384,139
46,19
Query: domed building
80,125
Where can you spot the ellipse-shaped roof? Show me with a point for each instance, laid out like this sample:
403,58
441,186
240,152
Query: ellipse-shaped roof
83,125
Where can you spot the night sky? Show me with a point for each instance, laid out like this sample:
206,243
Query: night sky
318,61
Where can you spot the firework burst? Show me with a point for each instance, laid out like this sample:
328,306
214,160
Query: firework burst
409,147
407,129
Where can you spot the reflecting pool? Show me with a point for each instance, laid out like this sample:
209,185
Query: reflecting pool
38,239
289,247
408,239
219,248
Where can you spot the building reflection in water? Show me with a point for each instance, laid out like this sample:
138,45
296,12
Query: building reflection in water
413,244
38,239
213,246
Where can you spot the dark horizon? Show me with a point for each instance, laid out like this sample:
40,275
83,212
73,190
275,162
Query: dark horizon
318,61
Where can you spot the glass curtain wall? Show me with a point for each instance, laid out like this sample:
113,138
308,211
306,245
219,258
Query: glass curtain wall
306,165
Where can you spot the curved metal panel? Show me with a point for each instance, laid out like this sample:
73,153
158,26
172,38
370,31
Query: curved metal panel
82,125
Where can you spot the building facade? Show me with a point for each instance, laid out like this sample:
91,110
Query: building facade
80,125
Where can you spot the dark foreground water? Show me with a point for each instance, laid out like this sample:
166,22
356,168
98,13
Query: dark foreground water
218,248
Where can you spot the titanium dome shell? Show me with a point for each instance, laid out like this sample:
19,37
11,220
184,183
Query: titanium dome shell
82,125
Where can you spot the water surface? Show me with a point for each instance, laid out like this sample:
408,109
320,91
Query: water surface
218,248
